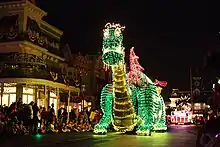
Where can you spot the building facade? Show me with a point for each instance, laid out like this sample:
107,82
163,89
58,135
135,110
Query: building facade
198,106
90,73
32,62
212,65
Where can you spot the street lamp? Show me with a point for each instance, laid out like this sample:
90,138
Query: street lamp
83,89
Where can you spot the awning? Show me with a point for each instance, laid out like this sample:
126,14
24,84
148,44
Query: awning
39,82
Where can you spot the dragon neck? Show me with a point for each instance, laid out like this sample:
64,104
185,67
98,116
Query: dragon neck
119,81
123,111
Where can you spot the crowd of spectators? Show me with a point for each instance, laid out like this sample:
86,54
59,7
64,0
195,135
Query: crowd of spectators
26,119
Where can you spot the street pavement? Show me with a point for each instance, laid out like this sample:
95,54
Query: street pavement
176,136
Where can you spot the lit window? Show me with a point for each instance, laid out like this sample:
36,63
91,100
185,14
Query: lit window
53,95
24,99
30,98
28,90
197,106
9,89
40,102
53,100
9,96
28,95
12,98
5,99
27,98
9,84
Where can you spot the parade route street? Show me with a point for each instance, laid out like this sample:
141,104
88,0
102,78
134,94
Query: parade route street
177,136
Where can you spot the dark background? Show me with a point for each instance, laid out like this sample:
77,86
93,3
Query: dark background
169,36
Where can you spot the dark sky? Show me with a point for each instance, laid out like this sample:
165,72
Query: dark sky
169,36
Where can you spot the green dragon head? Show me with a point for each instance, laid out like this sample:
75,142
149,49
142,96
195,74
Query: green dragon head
113,50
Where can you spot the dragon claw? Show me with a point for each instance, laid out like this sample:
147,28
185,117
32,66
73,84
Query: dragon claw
143,133
100,132
100,129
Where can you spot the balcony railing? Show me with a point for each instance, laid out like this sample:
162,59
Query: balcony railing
23,65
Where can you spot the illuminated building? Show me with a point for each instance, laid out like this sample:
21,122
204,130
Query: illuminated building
180,103
90,73
182,106
32,62
181,117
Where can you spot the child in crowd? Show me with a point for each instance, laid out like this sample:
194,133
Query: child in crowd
82,126
70,125
52,127
43,127
64,128
88,126
76,127
21,128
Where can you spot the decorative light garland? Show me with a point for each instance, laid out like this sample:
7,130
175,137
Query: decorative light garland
54,75
121,110
122,103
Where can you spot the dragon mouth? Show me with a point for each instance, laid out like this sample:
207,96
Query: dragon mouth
112,58
111,44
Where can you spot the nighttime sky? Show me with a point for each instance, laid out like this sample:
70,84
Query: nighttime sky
169,36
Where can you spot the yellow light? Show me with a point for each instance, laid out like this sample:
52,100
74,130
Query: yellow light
127,116
121,110
130,127
122,86
122,103
119,75
142,132
117,81
100,131
120,91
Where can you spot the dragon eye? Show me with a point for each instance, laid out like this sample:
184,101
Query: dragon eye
117,32
106,34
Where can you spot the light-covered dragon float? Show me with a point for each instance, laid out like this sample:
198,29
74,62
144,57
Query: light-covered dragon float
132,101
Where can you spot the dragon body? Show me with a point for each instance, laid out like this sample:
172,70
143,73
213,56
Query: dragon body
132,101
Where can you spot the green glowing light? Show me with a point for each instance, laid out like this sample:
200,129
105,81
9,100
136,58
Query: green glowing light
133,99
38,136
106,106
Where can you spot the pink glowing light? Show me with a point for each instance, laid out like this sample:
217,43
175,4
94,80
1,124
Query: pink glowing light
180,117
